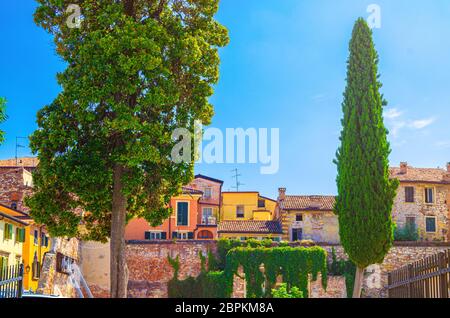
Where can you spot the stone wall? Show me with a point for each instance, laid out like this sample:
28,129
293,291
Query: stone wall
54,283
95,263
376,276
419,210
15,185
149,269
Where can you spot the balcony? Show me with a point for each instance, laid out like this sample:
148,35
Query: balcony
209,221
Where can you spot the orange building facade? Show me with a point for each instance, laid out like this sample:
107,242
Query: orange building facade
195,215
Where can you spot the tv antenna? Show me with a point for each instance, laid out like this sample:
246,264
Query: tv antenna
236,176
19,146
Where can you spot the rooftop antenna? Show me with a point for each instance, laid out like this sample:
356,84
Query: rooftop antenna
236,176
19,146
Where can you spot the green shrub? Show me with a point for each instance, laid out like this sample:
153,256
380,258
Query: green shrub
282,292
407,233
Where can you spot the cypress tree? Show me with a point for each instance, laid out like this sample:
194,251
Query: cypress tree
365,191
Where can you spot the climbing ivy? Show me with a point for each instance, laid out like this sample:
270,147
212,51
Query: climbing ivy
262,264
344,268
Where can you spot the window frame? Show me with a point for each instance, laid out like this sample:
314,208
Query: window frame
263,205
210,189
187,213
238,216
435,224
204,218
413,194
433,191
297,216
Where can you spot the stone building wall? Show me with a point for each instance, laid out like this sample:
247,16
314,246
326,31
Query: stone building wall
51,282
376,276
420,210
318,226
15,185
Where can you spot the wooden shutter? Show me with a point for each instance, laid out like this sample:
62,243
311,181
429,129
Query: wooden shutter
190,236
147,235
163,236
409,194
174,235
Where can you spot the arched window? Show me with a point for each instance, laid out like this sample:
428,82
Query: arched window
205,235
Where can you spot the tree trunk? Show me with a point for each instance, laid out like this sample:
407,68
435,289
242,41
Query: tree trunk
118,265
359,277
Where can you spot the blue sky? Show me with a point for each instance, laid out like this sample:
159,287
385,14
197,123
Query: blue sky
284,68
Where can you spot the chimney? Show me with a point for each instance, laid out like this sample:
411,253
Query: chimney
447,179
403,167
281,194
448,167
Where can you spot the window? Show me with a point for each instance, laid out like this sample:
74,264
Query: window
207,214
411,222
182,213
14,205
205,235
240,211
183,235
20,235
409,194
299,218
207,193
261,203
3,262
8,231
430,223
243,239
297,235
35,268
153,236
36,237
429,195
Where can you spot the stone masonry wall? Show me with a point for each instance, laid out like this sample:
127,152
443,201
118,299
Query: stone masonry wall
54,283
149,269
376,276
420,210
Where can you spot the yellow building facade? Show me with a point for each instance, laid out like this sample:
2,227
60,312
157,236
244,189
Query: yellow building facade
37,243
246,206
12,237
248,215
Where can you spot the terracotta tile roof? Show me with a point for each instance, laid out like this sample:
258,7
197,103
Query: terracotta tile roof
308,202
428,175
250,227
21,162
187,190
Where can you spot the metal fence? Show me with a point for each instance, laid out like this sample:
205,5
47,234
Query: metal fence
427,278
11,281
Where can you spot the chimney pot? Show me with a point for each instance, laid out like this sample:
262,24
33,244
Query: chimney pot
281,194
403,167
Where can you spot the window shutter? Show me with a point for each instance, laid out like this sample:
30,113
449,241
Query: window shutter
174,235
190,236
147,235
163,236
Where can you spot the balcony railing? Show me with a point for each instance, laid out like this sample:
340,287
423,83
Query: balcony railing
209,220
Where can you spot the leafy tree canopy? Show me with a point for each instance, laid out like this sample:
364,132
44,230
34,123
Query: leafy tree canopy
136,70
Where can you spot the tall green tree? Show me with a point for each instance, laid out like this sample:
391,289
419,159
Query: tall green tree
136,71
366,193
3,117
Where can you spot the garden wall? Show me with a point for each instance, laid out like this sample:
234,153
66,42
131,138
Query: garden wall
376,277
